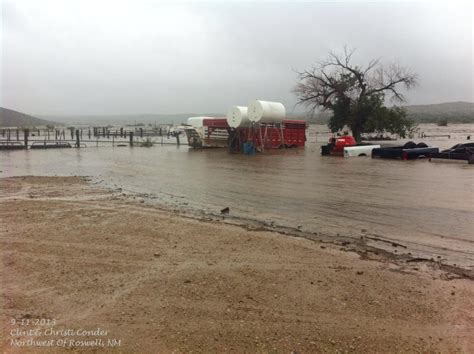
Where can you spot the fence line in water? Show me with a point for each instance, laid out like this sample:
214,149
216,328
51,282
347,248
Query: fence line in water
21,138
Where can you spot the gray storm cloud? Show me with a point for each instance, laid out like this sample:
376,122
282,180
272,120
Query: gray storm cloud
112,57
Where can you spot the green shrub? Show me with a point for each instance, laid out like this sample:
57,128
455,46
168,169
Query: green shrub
443,122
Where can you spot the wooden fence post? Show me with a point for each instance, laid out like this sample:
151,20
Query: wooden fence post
26,132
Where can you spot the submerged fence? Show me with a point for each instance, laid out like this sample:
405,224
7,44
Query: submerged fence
12,139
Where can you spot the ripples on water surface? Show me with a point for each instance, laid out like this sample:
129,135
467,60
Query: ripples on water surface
425,205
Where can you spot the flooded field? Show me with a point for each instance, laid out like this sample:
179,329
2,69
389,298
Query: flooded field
425,206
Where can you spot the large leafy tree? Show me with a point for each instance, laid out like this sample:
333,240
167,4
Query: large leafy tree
356,95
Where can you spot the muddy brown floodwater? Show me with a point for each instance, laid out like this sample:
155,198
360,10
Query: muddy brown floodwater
425,206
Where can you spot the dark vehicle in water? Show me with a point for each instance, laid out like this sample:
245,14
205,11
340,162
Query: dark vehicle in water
457,152
408,151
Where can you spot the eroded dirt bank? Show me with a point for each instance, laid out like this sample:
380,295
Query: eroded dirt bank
159,282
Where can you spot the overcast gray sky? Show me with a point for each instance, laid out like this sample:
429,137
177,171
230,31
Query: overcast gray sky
139,56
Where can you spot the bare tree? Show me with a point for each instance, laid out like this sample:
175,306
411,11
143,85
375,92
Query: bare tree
338,85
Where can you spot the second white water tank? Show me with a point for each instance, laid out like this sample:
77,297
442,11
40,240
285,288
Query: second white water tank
237,117
266,112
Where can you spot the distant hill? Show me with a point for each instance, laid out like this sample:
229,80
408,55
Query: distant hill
11,118
453,112
123,119
140,118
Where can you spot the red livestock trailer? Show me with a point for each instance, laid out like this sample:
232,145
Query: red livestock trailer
215,132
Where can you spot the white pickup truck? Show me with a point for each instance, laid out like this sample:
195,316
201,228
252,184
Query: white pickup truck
360,150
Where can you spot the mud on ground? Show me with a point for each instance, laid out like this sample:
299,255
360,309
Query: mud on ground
160,282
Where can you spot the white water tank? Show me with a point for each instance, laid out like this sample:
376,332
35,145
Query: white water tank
266,112
237,117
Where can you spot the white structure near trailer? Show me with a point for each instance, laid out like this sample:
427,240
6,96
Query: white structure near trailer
200,134
197,122
362,150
